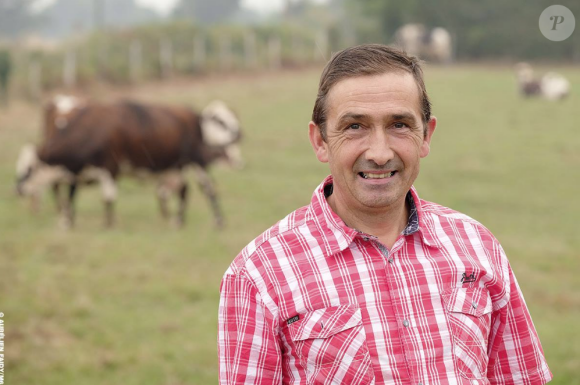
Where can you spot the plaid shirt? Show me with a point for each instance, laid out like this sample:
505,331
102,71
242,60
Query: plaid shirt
312,301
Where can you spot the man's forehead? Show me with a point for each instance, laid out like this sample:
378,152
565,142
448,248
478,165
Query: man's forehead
364,91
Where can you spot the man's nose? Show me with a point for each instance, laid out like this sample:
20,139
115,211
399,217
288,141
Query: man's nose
379,148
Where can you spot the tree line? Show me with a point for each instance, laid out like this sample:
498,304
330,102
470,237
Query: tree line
490,29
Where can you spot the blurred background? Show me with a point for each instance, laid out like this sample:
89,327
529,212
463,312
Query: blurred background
137,303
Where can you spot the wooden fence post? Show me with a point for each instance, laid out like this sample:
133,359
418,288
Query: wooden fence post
199,52
135,60
166,57
321,47
250,50
69,73
275,52
35,80
297,50
225,53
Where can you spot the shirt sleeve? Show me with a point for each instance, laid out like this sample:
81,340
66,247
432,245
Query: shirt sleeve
515,352
248,346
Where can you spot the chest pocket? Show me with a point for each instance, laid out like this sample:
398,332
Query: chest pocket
331,346
469,318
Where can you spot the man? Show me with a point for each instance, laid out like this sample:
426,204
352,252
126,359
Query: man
370,284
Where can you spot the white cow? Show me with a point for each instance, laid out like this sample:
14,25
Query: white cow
551,86
434,45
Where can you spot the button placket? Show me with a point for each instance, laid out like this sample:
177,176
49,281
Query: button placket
397,309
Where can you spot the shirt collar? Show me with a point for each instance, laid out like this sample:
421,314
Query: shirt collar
335,229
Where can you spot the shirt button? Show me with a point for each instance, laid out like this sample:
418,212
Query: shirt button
390,260
406,323
474,305
366,238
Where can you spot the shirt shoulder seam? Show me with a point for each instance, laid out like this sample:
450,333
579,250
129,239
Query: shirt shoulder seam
243,263
455,215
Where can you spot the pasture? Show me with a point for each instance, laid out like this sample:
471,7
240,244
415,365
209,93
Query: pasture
138,304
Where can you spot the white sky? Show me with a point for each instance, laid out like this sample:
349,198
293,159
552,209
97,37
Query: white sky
262,6
164,6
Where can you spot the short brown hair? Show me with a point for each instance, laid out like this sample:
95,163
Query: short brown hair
367,60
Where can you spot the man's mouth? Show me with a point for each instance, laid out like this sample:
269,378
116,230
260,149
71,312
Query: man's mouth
376,176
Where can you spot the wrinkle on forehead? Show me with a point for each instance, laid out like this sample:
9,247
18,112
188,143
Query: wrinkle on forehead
362,93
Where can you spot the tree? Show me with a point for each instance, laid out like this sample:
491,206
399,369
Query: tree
491,28
206,12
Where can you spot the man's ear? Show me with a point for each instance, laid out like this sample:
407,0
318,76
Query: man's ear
426,146
318,144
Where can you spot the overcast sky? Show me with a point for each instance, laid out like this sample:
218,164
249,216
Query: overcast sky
263,6
164,6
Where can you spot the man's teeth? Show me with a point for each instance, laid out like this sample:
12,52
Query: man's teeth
377,176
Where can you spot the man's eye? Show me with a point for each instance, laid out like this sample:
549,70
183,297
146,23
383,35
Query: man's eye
354,126
400,125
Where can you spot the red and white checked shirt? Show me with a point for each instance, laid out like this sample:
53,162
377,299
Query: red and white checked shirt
312,301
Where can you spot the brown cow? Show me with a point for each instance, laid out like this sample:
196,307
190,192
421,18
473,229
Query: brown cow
97,141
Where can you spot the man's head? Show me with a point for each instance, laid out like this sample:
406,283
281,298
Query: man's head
367,60
372,123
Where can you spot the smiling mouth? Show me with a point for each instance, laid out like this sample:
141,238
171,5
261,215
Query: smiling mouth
376,176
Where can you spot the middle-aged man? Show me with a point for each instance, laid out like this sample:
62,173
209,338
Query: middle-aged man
369,284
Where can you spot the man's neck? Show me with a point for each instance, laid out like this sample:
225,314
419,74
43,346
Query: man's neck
386,223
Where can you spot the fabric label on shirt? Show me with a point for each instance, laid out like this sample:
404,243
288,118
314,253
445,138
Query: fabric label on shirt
292,320
467,278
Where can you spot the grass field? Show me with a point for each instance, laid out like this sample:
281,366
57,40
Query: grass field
138,304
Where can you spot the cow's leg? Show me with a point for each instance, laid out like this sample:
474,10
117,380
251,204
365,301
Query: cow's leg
183,193
162,197
57,197
68,207
109,191
208,189
35,202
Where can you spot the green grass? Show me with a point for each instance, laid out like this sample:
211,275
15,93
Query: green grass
138,304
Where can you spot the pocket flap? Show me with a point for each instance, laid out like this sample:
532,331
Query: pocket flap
469,300
323,323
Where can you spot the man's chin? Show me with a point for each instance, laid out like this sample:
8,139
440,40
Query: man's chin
379,202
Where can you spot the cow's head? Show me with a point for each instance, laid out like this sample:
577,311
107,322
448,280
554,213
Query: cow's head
33,175
221,129
524,72
60,110
26,165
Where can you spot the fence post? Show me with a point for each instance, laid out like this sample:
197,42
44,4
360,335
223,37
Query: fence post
199,51
225,53
166,57
275,52
250,50
69,73
101,50
135,60
321,47
35,80
297,50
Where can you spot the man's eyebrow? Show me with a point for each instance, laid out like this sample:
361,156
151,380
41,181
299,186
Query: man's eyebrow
353,116
396,116
404,116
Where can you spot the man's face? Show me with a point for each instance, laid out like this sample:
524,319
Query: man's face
374,139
